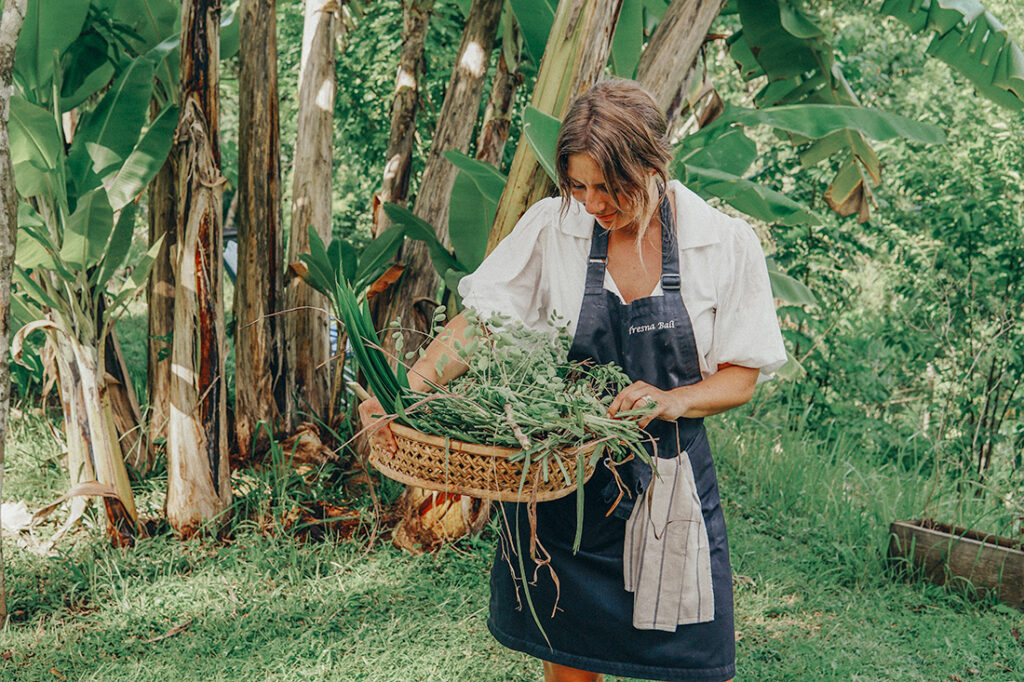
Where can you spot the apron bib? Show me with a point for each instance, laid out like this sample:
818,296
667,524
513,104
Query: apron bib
649,593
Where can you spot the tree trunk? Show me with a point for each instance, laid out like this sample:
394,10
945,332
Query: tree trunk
160,297
490,144
10,26
668,64
93,449
259,387
395,188
307,322
132,435
454,131
198,486
574,58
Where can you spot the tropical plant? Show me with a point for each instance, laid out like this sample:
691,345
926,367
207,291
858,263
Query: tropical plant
77,220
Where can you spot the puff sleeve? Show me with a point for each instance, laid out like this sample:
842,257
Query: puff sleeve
510,281
746,327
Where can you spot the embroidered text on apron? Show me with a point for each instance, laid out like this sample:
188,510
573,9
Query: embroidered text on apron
587,614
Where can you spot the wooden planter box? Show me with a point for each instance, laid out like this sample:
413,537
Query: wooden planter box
965,559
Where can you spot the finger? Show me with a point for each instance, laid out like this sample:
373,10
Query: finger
627,396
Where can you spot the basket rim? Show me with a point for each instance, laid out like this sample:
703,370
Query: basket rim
381,460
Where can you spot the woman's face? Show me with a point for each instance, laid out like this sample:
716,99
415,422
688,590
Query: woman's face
587,183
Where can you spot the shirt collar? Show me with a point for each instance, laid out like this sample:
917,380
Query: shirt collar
698,228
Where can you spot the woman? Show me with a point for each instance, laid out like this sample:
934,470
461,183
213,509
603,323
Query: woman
649,276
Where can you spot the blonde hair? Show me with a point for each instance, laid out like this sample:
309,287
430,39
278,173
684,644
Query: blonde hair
618,124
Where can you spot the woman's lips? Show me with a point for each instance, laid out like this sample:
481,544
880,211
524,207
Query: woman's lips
605,218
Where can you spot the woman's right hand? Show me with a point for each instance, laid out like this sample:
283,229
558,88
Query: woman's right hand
376,425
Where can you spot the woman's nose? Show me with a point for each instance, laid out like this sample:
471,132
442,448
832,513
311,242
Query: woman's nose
594,203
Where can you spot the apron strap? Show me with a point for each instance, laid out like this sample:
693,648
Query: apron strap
598,259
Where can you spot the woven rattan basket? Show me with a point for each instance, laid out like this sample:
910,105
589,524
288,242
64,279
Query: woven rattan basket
484,471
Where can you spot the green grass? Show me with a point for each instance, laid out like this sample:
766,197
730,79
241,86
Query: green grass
808,527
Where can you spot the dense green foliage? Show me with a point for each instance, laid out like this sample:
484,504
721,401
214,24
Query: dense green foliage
915,348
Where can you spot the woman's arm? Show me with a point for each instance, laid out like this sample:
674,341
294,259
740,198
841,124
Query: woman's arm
422,377
729,387
423,374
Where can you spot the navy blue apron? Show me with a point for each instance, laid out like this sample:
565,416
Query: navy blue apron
581,601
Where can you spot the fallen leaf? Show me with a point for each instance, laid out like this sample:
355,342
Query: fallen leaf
176,630
15,517
57,674
305,447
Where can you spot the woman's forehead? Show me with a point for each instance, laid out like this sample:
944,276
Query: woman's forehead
584,168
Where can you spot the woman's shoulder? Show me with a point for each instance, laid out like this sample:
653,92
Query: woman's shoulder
701,224
551,217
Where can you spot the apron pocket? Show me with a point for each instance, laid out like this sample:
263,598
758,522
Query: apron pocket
666,558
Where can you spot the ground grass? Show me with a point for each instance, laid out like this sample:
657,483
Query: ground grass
815,599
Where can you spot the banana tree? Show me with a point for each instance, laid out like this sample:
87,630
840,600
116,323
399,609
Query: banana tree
76,222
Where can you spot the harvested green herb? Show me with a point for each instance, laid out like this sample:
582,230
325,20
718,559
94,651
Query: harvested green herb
521,391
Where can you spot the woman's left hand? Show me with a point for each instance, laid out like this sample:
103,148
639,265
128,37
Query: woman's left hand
667,405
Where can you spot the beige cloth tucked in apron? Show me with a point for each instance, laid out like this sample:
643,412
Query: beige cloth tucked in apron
666,559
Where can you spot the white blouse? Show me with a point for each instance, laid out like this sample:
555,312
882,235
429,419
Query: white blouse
538,273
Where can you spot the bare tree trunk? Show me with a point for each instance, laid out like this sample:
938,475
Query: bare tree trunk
574,57
668,63
454,131
132,435
490,144
198,488
160,297
259,387
10,26
93,449
395,188
307,322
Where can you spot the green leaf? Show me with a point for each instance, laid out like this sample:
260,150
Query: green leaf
627,43
152,21
229,32
321,274
541,132
789,289
135,282
486,177
728,150
88,230
535,18
35,292
117,248
145,161
818,120
377,255
781,53
470,216
47,30
417,228
757,201
31,251
109,132
32,180
473,205
34,135
972,41
87,69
